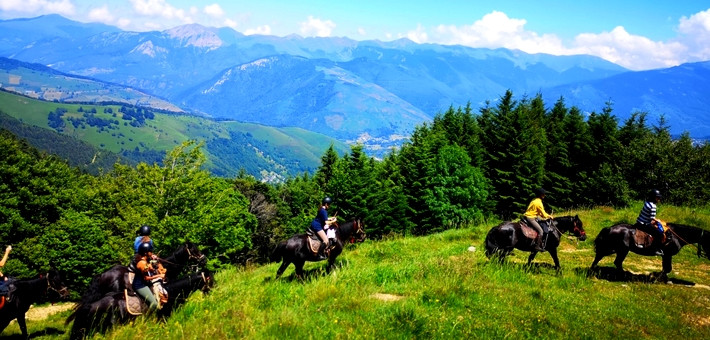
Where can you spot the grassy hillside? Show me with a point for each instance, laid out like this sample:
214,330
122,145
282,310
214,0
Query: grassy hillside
434,287
265,152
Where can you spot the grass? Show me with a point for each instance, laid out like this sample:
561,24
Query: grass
433,287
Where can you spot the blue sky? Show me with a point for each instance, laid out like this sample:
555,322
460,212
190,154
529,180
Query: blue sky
638,35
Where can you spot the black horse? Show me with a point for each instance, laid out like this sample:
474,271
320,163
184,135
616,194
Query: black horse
619,239
502,239
295,250
111,310
114,279
26,293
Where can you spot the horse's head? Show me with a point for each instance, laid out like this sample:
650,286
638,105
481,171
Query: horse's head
573,225
194,254
56,284
704,244
208,278
358,234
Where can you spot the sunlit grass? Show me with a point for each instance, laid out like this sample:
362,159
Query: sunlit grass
434,287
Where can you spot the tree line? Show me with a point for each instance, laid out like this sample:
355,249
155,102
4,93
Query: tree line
456,171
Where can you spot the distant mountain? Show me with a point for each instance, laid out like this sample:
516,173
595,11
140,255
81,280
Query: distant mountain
681,94
93,136
39,81
370,91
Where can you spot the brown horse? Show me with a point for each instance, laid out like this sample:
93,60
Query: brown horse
26,293
619,239
295,250
502,239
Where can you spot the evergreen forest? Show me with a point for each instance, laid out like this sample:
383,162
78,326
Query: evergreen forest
464,167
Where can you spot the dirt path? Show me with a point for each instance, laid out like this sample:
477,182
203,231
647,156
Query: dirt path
41,313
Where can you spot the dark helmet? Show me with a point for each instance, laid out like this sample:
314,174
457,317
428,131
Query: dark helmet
144,248
327,200
144,230
653,194
539,192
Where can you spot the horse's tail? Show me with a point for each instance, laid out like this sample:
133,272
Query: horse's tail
277,253
80,315
491,244
92,293
601,239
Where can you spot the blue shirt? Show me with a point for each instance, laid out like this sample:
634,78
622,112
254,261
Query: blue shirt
138,242
319,222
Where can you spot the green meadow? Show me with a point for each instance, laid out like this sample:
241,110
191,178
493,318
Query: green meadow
436,287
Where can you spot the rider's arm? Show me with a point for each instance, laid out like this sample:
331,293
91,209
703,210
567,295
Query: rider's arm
4,258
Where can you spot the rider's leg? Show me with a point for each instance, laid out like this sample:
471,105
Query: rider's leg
147,294
532,222
324,244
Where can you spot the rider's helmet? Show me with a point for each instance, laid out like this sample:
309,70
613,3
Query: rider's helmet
144,248
539,192
653,195
144,230
327,200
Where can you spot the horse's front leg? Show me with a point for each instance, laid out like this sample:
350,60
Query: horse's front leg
23,325
299,269
531,257
553,254
667,266
282,268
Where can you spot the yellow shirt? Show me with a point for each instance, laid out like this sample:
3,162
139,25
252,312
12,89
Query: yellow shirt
536,209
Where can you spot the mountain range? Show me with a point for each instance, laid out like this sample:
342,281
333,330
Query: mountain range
371,92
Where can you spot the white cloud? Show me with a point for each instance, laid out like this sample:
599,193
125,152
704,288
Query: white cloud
361,31
123,23
65,7
635,52
230,23
214,10
631,51
101,14
419,35
161,9
317,27
263,30
695,33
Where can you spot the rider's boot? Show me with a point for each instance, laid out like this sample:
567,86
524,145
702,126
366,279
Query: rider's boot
538,244
657,244
321,251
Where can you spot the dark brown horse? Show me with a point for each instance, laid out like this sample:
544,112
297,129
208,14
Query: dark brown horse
502,239
26,293
110,310
295,250
619,239
187,255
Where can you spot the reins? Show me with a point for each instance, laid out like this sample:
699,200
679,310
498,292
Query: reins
686,242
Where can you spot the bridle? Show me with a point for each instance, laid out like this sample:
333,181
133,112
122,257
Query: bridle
62,292
358,230
206,279
576,229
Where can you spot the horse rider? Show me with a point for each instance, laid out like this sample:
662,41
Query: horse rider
145,274
534,214
143,236
320,222
5,283
648,222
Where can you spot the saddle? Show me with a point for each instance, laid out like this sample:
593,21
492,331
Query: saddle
134,304
642,239
314,241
